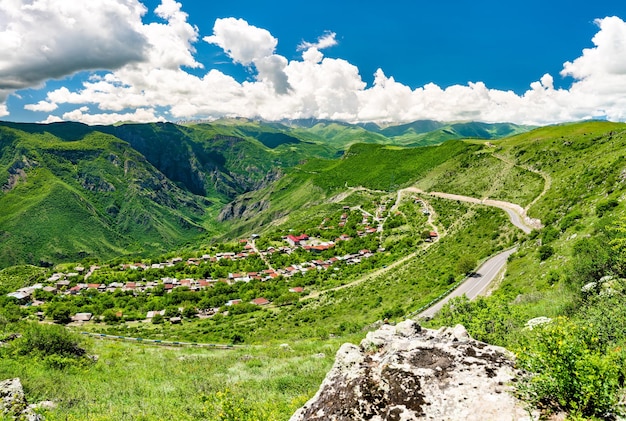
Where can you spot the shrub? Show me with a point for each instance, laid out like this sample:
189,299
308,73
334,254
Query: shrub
48,340
223,406
545,252
605,205
571,371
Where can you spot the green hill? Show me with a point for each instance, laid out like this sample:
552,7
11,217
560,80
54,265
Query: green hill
96,196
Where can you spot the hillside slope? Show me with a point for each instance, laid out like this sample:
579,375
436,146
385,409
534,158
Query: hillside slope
96,196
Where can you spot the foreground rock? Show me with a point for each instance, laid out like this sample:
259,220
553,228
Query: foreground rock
13,402
405,372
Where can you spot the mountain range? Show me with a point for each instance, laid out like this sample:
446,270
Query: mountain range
72,191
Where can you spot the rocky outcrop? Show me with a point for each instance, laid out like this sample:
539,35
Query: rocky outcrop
242,208
13,402
405,372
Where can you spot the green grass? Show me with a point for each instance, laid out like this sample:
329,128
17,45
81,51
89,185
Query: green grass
177,383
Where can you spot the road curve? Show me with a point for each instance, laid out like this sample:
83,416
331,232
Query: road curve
516,213
474,285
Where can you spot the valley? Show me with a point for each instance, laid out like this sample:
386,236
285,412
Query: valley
315,244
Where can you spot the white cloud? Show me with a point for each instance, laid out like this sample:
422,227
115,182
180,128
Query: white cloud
41,106
140,115
242,42
325,41
50,39
313,86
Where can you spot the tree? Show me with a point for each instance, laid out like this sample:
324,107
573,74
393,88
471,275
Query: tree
171,312
60,313
190,312
545,252
110,316
157,319
466,265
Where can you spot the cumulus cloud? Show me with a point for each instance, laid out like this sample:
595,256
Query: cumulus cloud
248,45
243,42
140,115
50,39
41,106
154,82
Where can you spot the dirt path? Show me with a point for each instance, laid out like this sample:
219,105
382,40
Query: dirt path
546,178
516,213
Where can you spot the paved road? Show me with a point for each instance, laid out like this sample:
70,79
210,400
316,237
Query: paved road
475,285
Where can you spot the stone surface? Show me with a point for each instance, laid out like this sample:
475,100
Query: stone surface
405,372
13,402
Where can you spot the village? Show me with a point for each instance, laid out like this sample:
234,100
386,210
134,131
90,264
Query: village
320,251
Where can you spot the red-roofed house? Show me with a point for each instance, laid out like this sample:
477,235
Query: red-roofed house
296,240
260,301
296,289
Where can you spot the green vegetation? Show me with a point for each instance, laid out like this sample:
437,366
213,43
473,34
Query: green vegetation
282,180
133,381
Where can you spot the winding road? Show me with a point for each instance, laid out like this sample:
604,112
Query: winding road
474,285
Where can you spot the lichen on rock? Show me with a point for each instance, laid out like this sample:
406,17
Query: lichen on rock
406,372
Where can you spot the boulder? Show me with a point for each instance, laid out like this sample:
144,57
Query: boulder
406,372
13,402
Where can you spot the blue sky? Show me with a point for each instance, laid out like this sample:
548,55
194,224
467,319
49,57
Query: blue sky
109,60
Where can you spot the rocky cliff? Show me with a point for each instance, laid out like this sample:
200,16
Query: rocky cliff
405,372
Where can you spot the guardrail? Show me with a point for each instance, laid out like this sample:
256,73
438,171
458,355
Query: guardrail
452,288
158,341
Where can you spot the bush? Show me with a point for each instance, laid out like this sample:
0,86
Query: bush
48,340
605,205
572,372
545,252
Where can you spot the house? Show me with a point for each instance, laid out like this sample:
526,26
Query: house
55,277
82,317
296,240
75,289
175,320
296,289
433,234
260,301
52,290
21,296
233,302
153,313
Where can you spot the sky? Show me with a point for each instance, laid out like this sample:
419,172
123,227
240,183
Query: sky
104,61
